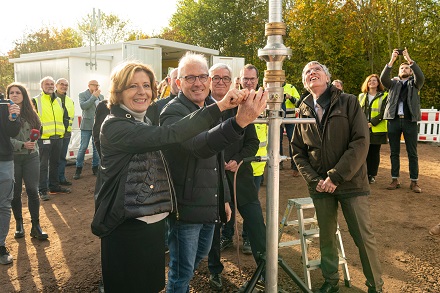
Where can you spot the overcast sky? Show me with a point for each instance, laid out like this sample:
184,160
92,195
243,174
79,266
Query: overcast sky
20,18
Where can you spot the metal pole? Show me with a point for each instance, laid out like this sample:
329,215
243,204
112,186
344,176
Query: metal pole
274,54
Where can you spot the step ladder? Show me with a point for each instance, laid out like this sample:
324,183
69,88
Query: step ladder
307,230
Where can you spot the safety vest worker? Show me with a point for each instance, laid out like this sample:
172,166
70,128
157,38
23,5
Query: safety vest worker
374,111
291,96
50,111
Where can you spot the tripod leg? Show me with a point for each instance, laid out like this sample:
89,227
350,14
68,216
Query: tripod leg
257,274
293,276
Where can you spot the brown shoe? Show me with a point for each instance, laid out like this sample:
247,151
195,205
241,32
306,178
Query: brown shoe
435,231
295,173
394,184
415,187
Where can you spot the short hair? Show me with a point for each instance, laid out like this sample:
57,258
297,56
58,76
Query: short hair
191,57
249,67
121,77
326,71
365,88
337,81
219,66
61,79
46,78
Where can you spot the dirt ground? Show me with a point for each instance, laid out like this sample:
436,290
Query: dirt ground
70,260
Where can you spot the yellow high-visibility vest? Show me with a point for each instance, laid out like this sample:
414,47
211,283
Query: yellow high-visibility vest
375,109
258,167
51,116
290,107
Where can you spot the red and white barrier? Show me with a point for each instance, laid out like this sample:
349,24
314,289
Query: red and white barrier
429,127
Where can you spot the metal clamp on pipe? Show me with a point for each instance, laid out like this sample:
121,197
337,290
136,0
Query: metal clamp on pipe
275,28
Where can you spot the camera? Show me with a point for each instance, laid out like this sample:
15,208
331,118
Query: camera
400,51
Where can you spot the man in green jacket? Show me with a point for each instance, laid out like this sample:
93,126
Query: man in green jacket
331,156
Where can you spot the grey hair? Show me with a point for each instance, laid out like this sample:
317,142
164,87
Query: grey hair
46,78
191,57
219,66
326,71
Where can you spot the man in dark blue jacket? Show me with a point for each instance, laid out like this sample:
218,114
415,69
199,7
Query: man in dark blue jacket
197,169
402,112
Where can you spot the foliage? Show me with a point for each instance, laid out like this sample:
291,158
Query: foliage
354,38
47,39
6,73
104,28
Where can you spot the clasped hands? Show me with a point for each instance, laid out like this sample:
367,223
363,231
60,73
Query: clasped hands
326,186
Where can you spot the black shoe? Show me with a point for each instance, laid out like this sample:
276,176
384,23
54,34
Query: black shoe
246,248
77,173
95,170
65,183
371,179
225,243
37,232
215,282
44,196
60,190
328,288
19,229
5,256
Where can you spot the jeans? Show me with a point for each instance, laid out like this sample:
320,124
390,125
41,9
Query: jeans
188,244
27,169
289,133
84,144
63,160
6,193
409,129
49,160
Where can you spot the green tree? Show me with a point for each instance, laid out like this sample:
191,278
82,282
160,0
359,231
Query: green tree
235,28
104,28
47,39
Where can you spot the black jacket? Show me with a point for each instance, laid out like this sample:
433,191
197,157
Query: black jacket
197,165
243,148
124,143
8,129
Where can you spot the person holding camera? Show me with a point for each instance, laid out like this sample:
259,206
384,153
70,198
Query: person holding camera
402,112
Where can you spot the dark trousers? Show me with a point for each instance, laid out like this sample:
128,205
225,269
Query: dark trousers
410,133
27,170
289,133
253,223
373,159
49,160
63,160
356,212
133,258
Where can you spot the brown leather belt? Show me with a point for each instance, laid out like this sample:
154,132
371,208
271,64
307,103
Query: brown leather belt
401,116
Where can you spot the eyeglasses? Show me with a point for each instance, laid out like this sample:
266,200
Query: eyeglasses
251,80
192,78
226,79
63,84
17,93
316,69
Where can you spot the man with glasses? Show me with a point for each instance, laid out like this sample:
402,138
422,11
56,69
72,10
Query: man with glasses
88,100
247,193
69,113
197,169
